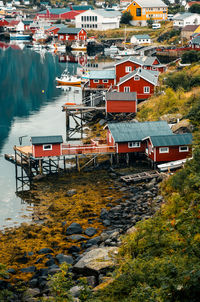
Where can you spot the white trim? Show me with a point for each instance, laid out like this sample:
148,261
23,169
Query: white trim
95,81
164,151
145,88
128,68
105,81
127,90
133,76
187,148
117,147
154,150
134,144
136,77
45,145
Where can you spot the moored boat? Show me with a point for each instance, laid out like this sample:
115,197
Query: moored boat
19,36
67,79
77,46
172,165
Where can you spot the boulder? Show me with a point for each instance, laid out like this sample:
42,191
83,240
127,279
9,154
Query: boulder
45,250
75,291
104,214
93,241
30,269
74,228
64,258
90,231
97,260
71,192
74,249
76,238
31,293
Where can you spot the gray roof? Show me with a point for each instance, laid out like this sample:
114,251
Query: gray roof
195,40
40,140
148,3
130,131
121,96
141,60
148,75
182,16
69,30
101,74
171,140
142,36
107,13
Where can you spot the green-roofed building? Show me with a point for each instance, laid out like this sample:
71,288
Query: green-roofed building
45,146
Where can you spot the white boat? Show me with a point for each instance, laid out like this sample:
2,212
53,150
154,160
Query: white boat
172,164
127,52
112,50
19,36
77,46
68,80
40,36
57,47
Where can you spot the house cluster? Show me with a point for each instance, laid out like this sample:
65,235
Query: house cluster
137,74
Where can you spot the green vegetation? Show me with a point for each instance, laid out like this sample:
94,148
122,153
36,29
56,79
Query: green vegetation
167,36
195,8
190,57
126,18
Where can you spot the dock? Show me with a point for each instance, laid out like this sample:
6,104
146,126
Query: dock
139,177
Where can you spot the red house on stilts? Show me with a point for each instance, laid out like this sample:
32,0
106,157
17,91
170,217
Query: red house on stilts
44,146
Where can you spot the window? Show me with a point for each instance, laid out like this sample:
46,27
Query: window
183,149
47,147
105,81
146,89
154,68
128,69
138,12
136,78
164,150
127,89
134,144
96,81
82,18
95,18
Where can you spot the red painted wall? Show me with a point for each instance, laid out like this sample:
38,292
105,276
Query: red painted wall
3,22
39,152
123,148
173,154
138,86
120,69
121,106
101,84
72,37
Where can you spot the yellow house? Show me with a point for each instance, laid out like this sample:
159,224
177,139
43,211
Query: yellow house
143,10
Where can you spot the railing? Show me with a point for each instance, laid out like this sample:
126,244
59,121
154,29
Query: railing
87,149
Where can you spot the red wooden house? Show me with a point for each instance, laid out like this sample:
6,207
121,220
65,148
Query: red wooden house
3,22
141,81
72,34
100,79
43,146
128,65
169,147
121,102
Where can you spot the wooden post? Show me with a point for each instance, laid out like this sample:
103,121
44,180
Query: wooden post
111,159
77,163
64,163
49,165
16,176
40,166
127,159
117,158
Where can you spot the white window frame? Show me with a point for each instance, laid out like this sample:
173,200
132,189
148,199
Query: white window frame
134,144
105,81
136,78
164,150
96,81
44,147
180,148
146,89
127,89
128,69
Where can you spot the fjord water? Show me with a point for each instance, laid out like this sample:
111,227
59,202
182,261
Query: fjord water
30,105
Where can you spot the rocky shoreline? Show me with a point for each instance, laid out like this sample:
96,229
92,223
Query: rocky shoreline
91,257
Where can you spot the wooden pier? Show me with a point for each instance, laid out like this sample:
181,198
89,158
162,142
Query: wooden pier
138,177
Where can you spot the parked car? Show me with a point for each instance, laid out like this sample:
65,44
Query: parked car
156,25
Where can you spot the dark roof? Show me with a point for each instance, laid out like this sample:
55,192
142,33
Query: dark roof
130,131
121,96
40,140
82,7
190,28
69,30
171,140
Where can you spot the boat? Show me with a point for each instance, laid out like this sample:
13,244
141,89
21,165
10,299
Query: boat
172,165
19,36
57,47
77,46
112,50
68,80
40,36
127,52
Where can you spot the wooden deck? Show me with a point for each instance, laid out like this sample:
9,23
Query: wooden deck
87,149
140,176
26,150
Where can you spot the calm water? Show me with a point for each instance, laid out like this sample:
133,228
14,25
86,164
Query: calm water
30,104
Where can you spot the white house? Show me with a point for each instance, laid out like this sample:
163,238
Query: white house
98,19
140,39
183,19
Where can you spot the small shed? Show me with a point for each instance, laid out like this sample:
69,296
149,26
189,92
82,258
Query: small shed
163,148
71,34
101,78
43,146
140,39
121,102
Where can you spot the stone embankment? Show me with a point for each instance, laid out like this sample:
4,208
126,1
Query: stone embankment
96,257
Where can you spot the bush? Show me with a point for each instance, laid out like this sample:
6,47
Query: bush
126,18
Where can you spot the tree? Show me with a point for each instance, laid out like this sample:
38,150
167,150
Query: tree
150,22
195,8
126,18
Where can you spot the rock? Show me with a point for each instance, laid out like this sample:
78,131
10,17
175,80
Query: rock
104,214
76,238
64,258
33,282
90,231
131,230
106,222
30,269
71,193
22,260
31,293
75,291
74,249
93,241
11,271
45,250
50,262
97,260
74,228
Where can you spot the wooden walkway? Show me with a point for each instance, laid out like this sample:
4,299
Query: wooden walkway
140,176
